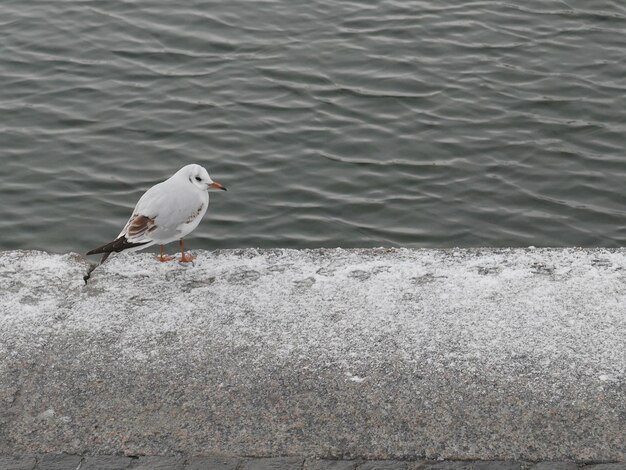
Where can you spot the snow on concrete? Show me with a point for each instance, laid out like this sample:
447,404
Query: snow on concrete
36,290
485,353
487,309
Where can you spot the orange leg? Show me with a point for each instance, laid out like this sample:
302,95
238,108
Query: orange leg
163,257
185,257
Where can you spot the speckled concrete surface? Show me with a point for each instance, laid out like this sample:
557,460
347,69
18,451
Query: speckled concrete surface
113,462
380,354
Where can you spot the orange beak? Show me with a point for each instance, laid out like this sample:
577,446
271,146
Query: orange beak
215,185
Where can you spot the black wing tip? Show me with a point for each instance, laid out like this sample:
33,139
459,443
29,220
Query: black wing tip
116,246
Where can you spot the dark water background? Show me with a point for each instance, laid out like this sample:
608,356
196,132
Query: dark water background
333,123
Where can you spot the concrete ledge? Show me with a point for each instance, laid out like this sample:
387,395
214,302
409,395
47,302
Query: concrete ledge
387,354
116,462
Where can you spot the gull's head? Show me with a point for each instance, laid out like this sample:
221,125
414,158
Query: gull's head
199,177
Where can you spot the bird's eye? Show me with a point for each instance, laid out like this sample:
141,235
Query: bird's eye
198,178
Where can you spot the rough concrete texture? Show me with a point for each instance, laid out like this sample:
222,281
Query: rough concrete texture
213,463
555,466
325,464
383,353
17,463
104,462
276,463
113,462
59,462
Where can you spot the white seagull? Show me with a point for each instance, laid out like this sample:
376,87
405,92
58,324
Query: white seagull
168,211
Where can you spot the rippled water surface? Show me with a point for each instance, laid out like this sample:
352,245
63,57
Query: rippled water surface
332,123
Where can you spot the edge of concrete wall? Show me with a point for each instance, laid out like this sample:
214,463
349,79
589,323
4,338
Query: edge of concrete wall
374,353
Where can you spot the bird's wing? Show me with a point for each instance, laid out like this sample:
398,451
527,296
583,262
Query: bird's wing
142,222
136,233
169,204
163,205
138,228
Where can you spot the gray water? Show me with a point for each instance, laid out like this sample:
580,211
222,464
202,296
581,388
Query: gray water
332,123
